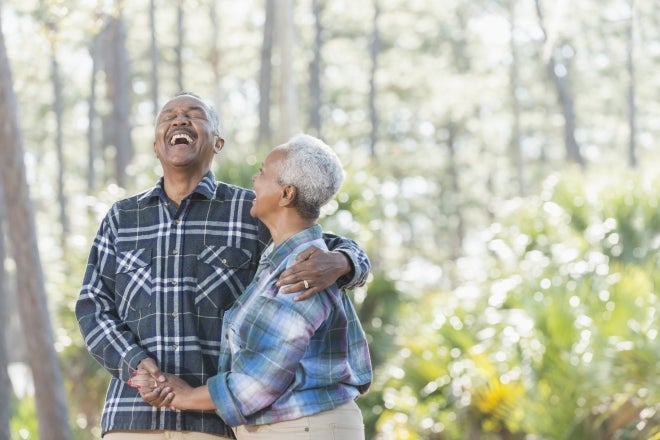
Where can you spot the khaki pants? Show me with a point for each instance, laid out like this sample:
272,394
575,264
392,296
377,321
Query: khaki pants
160,435
342,423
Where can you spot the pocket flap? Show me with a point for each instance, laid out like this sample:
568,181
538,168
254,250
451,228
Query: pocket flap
225,256
128,261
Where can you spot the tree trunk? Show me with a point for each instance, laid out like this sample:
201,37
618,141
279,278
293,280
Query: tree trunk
564,96
630,65
514,82
315,70
5,384
288,104
179,45
118,89
459,236
154,58
375,51
265,76
59,138
92,144
214,60
50,399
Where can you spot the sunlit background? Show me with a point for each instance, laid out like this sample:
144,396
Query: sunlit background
502,175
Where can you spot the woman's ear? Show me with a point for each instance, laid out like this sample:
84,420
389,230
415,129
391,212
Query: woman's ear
219,143
289,193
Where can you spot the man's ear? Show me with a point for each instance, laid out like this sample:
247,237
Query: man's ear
219,143
156,150
289,193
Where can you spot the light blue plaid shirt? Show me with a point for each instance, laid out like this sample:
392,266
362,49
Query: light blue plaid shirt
281,359
158,280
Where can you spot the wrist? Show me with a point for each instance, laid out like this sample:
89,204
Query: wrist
344,263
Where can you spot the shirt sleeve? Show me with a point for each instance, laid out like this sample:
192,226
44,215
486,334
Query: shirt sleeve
359,261
106,336
273,342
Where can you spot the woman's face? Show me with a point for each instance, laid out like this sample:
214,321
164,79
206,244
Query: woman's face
266,187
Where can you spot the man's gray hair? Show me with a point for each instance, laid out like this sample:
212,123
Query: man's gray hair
314,169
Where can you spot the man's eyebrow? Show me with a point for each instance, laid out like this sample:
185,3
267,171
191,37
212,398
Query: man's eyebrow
188,109
197,107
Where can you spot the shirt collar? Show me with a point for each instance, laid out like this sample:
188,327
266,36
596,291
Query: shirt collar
206,188
291,245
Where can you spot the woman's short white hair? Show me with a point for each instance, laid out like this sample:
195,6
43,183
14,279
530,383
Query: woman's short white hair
314,169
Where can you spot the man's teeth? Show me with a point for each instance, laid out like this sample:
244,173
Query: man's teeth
183,136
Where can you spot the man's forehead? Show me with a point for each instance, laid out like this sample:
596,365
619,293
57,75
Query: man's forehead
186,100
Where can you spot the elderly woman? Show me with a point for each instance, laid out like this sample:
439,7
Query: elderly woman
288,369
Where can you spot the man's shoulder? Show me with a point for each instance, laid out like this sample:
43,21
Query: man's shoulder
136,200
227,191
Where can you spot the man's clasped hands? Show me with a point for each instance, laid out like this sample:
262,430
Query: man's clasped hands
157,388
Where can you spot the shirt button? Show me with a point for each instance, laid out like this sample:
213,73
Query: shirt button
175,252
175,347
174,314
174,282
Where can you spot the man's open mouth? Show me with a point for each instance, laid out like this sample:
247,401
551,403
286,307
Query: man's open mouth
181,138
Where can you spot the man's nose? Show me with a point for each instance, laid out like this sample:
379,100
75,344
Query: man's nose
181,120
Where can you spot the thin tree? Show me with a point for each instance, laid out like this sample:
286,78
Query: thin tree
288,102
92,144
456,242
573,153
51,404
266,75
374,54
315,70
179,44
630,67
118,89
514,83
5,383
52,30
215,60
154,57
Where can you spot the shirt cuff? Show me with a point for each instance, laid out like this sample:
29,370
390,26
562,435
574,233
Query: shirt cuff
349,281
222,399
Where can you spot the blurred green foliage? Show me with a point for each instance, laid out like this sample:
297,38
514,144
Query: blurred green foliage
552,333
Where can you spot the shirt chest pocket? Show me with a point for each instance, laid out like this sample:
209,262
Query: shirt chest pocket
133,281
223,273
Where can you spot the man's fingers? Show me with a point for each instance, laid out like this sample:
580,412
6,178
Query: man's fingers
167,400
306,254
306,294
296,286
303,275
149,365
159,397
